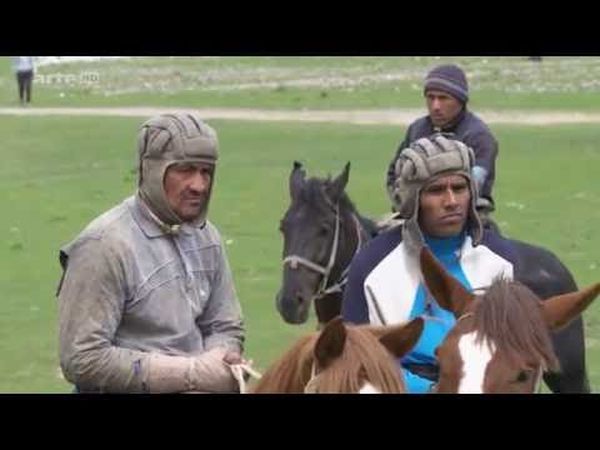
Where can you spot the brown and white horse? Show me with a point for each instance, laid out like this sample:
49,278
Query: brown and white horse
501,342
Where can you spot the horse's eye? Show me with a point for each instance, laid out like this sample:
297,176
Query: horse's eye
324,229
522,377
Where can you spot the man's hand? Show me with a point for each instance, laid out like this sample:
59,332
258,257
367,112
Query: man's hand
233,357
210,371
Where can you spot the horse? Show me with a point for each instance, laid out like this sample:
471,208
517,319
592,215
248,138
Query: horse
343,359
322,231
501,340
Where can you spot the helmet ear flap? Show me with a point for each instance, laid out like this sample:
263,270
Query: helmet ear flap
142,150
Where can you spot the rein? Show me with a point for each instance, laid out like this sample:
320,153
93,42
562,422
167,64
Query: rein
240,371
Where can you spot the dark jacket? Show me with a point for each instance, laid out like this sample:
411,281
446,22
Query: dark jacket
467,128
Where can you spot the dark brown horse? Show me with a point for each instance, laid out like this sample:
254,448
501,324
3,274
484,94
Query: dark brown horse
321,233
343,359
501,341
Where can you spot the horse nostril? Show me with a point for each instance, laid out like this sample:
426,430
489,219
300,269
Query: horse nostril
299,298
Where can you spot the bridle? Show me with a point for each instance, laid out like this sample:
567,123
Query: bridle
295,261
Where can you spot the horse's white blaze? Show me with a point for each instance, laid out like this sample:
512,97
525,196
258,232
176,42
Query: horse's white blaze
368,388
475,357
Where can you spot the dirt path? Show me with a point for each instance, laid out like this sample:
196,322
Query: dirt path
364,117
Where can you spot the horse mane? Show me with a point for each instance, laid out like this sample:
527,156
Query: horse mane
370,226
364,358
291,372
314,193
509,314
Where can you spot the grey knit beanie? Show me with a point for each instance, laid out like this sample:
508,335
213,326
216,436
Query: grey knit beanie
169,139
422,162
448,78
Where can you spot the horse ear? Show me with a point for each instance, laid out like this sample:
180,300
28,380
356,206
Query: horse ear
296,179
338,185
400,339
331,342
448,292
560,310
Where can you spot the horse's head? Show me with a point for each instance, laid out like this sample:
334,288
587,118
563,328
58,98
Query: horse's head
360,359
319,237
344,359
501,340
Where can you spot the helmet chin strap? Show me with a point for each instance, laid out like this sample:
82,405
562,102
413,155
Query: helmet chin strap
165,227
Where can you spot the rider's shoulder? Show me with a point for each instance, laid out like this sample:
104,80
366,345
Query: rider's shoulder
420,127
474,125
499,244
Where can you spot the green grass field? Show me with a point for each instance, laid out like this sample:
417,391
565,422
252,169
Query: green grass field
308,82
59,173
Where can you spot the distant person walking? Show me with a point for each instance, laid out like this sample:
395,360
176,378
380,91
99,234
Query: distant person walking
23,67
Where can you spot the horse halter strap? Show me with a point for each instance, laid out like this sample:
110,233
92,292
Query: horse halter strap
295,260
337,287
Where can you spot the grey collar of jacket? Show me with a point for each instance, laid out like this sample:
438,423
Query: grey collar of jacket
153,227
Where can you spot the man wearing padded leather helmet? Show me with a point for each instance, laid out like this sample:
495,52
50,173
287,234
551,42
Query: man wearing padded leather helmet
435,193
147,301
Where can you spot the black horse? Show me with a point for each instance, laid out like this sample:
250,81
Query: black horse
322,231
